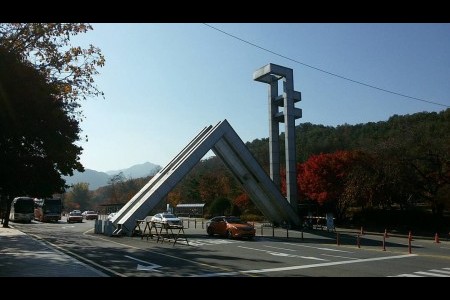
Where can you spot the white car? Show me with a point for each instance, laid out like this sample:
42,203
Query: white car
111,215
166,220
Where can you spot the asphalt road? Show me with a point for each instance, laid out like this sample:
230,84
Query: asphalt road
316,255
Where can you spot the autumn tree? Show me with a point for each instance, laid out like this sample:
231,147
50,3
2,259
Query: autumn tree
36,135
115,183
47,47
43,78
322,179
79,197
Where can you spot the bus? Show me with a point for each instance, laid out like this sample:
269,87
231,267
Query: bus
47,210
22,209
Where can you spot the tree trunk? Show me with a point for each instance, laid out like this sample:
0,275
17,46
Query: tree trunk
8,210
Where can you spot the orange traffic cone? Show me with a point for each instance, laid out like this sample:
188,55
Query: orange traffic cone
436,238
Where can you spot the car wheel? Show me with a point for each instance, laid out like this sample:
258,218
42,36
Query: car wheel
229,234
209,231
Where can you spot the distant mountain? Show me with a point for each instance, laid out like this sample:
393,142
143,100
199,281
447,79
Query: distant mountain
94,178
137,171
98,179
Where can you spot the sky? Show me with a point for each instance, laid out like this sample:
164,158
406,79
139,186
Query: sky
164,83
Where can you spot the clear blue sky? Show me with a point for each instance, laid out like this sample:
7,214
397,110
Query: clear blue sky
163,83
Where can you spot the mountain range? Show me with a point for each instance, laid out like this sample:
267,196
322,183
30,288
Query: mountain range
97,179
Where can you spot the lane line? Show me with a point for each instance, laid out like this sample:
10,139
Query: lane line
280,248
168,255
291,268
338,256
65,251
283,254
319,248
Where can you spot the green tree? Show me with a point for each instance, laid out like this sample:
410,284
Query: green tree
220,206
43,76
37,137
79,197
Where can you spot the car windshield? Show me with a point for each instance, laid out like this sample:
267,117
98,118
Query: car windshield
75,214
168,216
235,220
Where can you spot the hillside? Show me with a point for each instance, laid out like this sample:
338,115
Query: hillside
98,179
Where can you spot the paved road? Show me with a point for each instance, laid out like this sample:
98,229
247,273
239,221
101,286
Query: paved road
316,255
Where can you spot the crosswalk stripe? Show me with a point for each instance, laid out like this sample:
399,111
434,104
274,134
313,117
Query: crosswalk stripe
444,272
440,271
431,274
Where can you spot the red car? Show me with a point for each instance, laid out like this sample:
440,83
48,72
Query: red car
230,227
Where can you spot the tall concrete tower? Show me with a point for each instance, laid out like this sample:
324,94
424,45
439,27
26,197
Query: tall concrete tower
282,109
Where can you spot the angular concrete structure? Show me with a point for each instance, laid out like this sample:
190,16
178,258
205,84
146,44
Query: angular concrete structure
227,145
270,74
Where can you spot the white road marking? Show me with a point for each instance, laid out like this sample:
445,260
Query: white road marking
70,226
440,271
202,242
163,254
279,248
149,266
431,274
81,258
319,248
434,273
291,268
283,254
338,256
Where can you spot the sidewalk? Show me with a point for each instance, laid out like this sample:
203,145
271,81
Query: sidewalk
24,256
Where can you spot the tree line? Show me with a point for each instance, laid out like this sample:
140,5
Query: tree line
400,163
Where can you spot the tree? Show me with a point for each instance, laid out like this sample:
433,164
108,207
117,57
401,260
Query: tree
37,136
114,182
220,206
42,79
47,47
322,178
79,197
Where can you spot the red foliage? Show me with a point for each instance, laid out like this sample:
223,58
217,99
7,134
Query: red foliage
242,201
321,177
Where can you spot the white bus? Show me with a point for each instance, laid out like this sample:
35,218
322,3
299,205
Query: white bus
22,209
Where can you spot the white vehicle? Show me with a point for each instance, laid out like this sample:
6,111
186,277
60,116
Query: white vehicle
166,220
111,215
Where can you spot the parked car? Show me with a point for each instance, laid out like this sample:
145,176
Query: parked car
75,216
91,215
166,220
230,227
111,215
